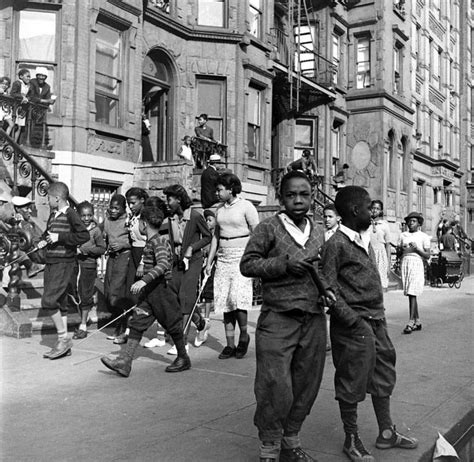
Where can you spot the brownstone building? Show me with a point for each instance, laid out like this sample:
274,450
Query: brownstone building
376,85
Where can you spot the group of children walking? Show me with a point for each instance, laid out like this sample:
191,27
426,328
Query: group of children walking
153,271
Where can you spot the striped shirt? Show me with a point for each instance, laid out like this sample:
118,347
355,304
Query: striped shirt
157,259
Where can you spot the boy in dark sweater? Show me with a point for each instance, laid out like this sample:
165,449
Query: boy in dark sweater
87,255
157,300
291,330
64,232
362,351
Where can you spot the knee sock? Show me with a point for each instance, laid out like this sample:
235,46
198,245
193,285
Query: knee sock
180,344
241,316
229,325
382,412
64,318
349,416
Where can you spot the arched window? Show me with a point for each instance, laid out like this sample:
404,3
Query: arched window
157,100
392,161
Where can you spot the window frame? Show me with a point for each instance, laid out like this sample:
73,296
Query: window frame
122,29
257,128
366,80
313,147
32,64
259,14
221,81
224,15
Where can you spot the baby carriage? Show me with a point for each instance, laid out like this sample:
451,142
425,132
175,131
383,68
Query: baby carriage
446,268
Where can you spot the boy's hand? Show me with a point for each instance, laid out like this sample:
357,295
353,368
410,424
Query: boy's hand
42,244
51,238
115,247
137,287
298,267
140,270
330,299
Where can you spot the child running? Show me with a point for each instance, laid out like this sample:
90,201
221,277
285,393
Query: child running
118,248
413,247
64,232
157,300
363,354
87,255
291,330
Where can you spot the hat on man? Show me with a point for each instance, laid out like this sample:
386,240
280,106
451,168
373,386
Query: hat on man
214,158
41,70
416,215
3,197
20,201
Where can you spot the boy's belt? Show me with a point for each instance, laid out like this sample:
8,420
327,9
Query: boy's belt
235,237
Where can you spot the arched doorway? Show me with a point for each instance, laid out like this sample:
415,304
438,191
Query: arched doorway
157,101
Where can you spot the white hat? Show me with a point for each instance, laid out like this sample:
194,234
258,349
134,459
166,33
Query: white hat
41,70
4,197
215,158
19,201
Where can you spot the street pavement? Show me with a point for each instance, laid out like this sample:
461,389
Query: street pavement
74,409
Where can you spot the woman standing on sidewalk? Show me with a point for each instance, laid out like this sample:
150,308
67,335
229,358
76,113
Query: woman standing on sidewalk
236,218
380,241
414,247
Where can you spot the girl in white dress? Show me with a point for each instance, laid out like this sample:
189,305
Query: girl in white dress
414,247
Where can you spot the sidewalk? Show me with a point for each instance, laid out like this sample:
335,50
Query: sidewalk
74,409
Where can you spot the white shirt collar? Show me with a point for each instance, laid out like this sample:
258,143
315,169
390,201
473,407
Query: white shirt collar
362,239
61,210
301,237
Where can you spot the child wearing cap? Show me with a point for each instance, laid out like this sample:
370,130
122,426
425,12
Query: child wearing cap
413,247
23,219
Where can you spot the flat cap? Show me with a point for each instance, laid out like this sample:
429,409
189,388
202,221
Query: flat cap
20,201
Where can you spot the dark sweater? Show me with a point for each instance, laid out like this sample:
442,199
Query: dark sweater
93,248
116,232
71,233
354,277
266,257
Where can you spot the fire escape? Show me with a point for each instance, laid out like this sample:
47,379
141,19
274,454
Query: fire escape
303,76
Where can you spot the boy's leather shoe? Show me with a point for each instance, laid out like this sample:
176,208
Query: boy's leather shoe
242,348
62,347
227,352
180,364
295,455
355,449
122,366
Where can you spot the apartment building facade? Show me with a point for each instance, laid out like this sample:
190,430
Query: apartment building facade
373,85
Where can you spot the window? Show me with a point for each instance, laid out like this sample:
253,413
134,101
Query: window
436,192
254,114
305,137
363,63
430,59
37,42
336,144
108,71
438,59
392,166
420,196
419,121
212,101
436,133
255,17
418,51
211,13
397,68
158,103
336,56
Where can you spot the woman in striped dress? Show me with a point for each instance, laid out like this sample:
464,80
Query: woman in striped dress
414,247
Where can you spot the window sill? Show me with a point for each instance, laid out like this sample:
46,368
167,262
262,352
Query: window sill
109,130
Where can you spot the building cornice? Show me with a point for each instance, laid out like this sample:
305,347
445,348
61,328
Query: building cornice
167,23
443,163
378,94
126,7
